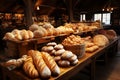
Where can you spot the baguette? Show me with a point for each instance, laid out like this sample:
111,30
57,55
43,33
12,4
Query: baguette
41,66
51,63
29,68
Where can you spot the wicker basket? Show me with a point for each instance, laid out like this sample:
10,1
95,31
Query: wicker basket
79,50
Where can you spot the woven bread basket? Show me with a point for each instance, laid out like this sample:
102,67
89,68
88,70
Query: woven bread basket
79,50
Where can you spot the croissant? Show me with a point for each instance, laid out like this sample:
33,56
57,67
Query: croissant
29,68
51,63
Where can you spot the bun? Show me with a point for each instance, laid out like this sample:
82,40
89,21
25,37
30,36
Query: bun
73,58
59,52
74,62
51,44
57,58
64,63
29,68
67,55
51,63
59,46
47,48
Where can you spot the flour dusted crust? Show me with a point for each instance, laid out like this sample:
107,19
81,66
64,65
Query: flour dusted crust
47,48
51,63
67,55
100,40
59,52
59,46
40,64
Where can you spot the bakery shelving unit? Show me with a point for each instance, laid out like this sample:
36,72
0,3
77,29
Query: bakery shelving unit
66,73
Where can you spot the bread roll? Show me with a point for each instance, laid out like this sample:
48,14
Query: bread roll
51,44
64,63
51,63
17,34
9,36
30,33
29,68
92,49
74,62
59,52
41,66
73,58
67,55
47,48
24,34
59,46
57,58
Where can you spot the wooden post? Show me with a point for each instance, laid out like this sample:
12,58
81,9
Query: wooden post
69,4
28,10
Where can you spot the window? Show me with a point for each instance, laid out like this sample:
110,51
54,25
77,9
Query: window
82,17
103,17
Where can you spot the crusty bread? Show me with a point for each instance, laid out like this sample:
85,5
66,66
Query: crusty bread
51,63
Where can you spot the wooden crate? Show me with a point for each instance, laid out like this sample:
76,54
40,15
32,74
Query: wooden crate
17,49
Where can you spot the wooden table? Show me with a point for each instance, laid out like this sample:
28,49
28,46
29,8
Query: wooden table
66,73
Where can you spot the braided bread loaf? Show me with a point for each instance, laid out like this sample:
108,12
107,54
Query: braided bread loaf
29,68
41,66
51,63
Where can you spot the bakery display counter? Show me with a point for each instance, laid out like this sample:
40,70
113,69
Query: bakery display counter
66,73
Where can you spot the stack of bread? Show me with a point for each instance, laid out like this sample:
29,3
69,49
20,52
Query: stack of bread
40,64
64,58
42,30
64,30
17,35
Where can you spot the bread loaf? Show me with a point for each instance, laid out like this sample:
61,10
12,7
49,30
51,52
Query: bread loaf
51,63
29,68
41,66
92,49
